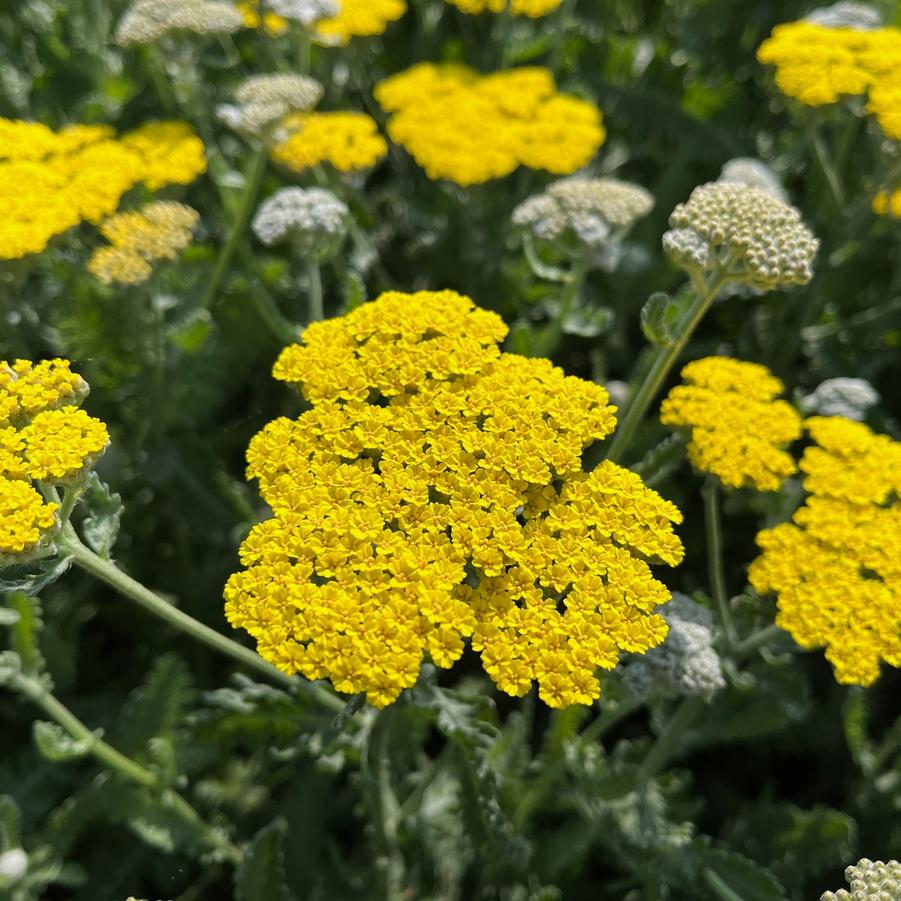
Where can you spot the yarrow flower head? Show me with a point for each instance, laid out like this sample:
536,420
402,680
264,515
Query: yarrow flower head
304,11
686,662
157,232
348,141
579,215
359,18
147,21
747,170
313,218
81,173
264,100
848,397
532,8
870,881
836,568
738,429
435,493
523,121
756,238
44,437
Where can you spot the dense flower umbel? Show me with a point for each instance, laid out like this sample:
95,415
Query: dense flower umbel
138,238
533,8
870,880
738,428
837,567
753,235
147,21
435,493
51,181
848,397
470,128
264,100
314,219
43,437
360,18
819,64
347,141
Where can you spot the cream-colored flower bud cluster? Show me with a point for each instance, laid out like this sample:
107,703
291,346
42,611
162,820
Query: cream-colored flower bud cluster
686,662
859,16
147,21
870,881
759,240
847,397
585,210
304,11
313,218
264,100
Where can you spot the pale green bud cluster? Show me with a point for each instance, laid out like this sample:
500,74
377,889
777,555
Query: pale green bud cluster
264,100
147,21
584,211
314,219
686,662
859,16
848,397
752,237
870,881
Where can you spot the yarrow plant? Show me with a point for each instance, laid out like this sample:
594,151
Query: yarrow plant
347,141
523,121
147,21
738,429
847,397
263,101
435,493
834,568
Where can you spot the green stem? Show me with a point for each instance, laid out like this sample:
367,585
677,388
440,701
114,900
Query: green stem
248,200
665,359
714,527
755,642
550,336
826,164
667,741
36,692
719,888
108,572
315,303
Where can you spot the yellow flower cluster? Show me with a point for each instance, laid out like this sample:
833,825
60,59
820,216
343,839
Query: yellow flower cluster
272,23
43,437
138,238
434,492
837,567
738,428
470,128
347,141
51,181
532,8
888,204
360,18
817,65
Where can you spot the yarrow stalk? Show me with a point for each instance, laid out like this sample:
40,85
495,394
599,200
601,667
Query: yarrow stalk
435,493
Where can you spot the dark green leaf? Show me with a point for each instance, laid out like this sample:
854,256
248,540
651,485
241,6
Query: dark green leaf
261,874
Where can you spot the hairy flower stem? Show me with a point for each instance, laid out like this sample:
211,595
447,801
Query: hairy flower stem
666,357
315,302
714,527
666,743
37,693
248,200
108,572
744,649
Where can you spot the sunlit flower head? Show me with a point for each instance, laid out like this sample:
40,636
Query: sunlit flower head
147,21
349,142
313,219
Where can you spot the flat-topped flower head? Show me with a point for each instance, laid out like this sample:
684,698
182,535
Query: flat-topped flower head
523,121
848,397
846,14
870,880
743,231
263,101
350,142
738,429
25,520
435,494
313,219
147,21
580,214
534,9
359,18
27,389
686,662
835,568
307,12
